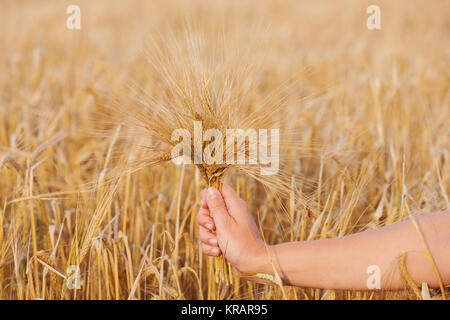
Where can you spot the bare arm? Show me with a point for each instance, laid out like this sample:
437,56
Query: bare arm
342,263
339,263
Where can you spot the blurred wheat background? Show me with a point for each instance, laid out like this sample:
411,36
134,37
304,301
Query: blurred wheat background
376,102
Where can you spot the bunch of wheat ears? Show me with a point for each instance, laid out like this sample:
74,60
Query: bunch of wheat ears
209,81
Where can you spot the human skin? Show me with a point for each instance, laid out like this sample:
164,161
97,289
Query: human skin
337,263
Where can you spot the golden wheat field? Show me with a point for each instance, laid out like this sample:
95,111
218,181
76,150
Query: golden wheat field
368,109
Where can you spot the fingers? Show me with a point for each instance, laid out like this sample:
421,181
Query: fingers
223,205
210,250
203,199
204,219
204,216
236,206
207,237
210,245
217,207
228,193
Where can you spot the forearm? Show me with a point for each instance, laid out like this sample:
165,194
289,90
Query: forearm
342,263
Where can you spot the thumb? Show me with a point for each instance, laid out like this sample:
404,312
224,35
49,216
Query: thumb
217,207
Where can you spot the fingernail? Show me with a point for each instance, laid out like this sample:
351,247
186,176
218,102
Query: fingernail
215,251
212,193
213,242
209,226
201,203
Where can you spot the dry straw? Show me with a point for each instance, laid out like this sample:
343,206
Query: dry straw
138,239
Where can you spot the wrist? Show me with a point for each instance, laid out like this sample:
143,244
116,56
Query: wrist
261,261
269,263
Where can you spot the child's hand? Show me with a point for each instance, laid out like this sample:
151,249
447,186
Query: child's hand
237,236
